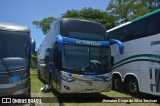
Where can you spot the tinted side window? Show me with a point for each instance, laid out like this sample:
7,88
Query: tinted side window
153,24
140,27
129,32
111,35
119,34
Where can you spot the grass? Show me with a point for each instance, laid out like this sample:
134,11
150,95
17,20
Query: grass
33,71
36,85
75,100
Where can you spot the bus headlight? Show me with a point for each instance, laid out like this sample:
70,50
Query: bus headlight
108,79
67,79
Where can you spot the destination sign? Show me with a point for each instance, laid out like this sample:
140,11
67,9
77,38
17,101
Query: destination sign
80,42
74,41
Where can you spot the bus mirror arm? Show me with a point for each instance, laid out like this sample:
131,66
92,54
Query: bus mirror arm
119,43
59,40
33,45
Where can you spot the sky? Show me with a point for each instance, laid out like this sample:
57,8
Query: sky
24,12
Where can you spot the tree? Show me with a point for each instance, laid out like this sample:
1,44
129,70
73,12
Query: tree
117,12
85,13
34,60
44,24
151,5
121,9
92,15
125,10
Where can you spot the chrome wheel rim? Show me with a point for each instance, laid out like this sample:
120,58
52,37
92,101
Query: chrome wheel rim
133,87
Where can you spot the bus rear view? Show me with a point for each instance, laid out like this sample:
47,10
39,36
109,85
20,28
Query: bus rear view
14,60
79,60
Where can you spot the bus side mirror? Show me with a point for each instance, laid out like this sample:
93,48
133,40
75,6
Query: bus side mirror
33,45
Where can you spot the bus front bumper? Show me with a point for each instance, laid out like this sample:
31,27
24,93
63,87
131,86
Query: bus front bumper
71,87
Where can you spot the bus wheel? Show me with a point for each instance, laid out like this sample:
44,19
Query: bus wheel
132,86
117,83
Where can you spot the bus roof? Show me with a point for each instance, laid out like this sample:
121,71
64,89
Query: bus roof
118,26
76,19
13,27
134,20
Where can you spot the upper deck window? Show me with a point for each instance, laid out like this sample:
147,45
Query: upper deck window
13,44
83,29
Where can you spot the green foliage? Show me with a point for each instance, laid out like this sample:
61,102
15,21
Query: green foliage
117,12
44,24
151,5
125,10
86,13
34,60
121,9
92,15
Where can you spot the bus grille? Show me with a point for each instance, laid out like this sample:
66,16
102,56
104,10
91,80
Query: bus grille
157,79
4,77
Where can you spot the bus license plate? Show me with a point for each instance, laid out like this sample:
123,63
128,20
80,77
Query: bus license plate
89,90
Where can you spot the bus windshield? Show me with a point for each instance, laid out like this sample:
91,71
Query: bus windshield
83,30
13,44
86,59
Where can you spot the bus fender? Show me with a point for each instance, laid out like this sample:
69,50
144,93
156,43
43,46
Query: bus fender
117,73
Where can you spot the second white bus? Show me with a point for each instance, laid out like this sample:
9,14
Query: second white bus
138,69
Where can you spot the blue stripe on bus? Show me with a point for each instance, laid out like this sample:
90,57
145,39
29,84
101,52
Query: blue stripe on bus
60,39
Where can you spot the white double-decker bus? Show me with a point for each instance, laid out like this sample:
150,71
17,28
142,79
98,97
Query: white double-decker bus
138,69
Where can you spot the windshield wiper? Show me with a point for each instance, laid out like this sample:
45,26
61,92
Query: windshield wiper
5,66
12,79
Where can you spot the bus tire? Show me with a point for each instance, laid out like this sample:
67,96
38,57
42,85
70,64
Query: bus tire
117,83
132,86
